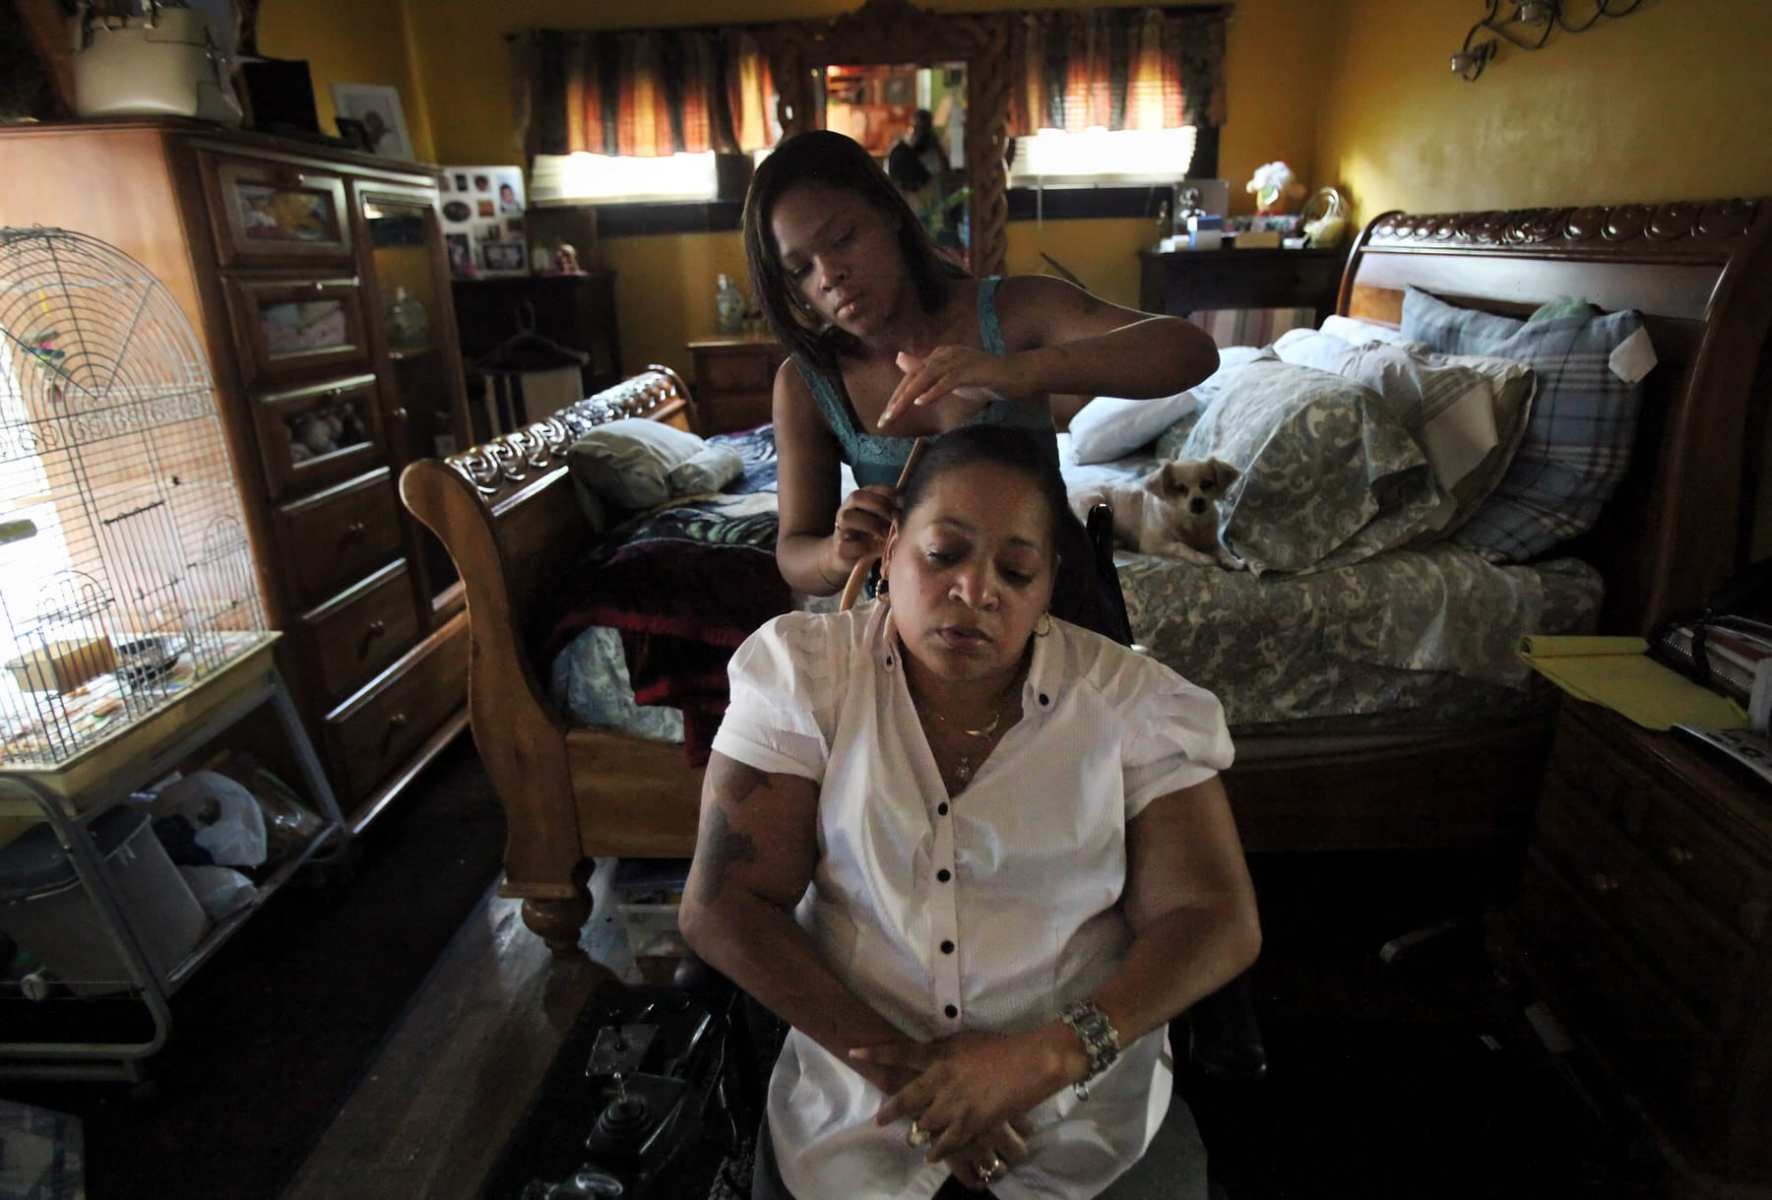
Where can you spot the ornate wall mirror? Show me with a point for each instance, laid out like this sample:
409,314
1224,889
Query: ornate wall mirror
866,74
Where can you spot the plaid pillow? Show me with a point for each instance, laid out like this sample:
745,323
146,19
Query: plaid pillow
1584,419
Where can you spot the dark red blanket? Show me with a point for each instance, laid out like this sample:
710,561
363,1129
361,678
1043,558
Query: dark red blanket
684,586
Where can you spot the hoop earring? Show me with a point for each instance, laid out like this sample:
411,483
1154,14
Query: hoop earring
1043,627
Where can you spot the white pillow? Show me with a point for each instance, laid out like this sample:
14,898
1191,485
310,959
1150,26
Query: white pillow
1313,348
626,462
1467,411
1348,329
1108,427
708,470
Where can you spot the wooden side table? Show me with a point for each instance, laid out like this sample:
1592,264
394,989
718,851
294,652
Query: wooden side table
1190,281
1644,919
734,381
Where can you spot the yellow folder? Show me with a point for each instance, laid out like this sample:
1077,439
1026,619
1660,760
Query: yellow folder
1618,672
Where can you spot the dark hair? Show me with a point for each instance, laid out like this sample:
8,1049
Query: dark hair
1008,446
821,158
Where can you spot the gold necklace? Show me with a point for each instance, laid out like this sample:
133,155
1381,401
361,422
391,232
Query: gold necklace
963,760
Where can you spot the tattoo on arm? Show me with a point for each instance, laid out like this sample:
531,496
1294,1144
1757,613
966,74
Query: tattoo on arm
724,848
729,783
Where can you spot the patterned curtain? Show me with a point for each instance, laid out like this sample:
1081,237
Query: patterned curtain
642,93
1119,68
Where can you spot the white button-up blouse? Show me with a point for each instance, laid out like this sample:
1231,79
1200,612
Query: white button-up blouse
992,909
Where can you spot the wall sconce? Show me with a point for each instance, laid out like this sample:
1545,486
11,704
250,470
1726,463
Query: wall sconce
1528,26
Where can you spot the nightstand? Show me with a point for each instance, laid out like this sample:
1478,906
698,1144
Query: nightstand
1644,919
734,381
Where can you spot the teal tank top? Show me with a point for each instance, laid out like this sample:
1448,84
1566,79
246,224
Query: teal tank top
880,459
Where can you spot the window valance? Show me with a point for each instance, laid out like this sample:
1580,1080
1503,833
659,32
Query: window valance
655,92
643,93
1117,68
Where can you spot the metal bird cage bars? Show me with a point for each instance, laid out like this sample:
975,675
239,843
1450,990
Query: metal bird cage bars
125,572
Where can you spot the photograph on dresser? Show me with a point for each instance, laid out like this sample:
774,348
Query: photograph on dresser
487,207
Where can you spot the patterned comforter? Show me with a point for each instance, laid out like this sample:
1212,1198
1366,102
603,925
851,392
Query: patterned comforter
1407,639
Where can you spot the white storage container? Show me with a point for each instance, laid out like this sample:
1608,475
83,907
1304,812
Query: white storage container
647,893
46,909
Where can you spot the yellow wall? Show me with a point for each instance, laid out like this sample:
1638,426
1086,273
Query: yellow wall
1669,102
449,59
1275,70
349,41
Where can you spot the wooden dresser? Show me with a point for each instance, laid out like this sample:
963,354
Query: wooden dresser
288,257
734,381
1645,921
1190,281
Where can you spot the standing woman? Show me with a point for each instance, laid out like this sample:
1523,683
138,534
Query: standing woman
889,340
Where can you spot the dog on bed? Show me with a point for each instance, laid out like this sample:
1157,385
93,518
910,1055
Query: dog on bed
1173,511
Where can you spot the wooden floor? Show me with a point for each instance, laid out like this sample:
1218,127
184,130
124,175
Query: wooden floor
433,1112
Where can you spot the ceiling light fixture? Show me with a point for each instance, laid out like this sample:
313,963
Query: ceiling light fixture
1528,25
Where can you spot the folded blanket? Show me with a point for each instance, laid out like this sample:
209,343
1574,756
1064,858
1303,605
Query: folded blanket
684,585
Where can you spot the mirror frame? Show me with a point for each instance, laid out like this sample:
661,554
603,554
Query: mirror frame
886,32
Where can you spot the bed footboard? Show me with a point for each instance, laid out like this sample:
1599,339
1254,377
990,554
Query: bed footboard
505,510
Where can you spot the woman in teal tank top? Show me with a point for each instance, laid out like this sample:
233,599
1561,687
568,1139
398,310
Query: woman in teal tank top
890,341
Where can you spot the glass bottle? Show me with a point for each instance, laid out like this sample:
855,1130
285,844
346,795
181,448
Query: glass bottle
728,307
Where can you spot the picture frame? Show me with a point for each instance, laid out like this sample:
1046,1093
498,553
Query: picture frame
376,106
504,256
461,254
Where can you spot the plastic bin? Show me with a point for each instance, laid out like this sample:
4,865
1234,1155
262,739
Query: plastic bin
46,909
647,893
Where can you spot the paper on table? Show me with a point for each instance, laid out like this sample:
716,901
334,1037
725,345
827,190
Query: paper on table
1617,672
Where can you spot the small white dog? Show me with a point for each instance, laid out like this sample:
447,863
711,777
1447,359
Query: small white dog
1173,511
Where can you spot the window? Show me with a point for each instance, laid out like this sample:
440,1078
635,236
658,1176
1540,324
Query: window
1053,157
593,178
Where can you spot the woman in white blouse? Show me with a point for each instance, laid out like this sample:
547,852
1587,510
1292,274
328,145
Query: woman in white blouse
975,856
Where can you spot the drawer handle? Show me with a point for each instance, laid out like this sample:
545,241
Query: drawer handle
377,627
398,721
1680,856
1604,883
355,530
400,413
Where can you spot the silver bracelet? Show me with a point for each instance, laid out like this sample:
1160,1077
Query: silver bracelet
1101,1041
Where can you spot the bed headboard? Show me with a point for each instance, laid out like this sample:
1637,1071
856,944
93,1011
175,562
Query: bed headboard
1687,514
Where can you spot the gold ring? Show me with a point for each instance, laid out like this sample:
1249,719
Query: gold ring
918,1137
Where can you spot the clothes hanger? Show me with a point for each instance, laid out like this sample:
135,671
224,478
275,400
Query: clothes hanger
527,350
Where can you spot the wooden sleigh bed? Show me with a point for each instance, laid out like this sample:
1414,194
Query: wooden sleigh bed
1682,521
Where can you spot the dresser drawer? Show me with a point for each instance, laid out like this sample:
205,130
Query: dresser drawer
725,412
379,728
333,539
1646,1032
723,373
1581,763
276,214
354,636
1734,886
315,436
1697,958
289,329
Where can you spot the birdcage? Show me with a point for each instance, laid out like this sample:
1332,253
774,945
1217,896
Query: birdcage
125,572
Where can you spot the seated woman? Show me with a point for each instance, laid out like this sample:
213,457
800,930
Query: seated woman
890,340
975,856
